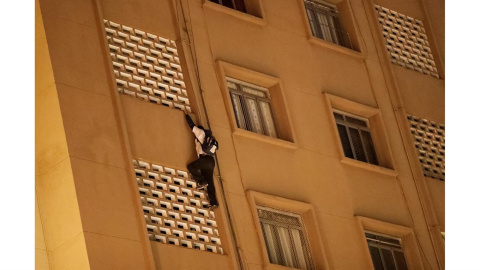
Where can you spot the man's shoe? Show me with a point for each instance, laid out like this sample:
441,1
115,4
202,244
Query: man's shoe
201,186
212,207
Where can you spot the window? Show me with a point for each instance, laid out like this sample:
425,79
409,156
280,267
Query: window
325,24
355,137
252,107
391,246
289,237
285,238
361,136
386,252
233,4
256,105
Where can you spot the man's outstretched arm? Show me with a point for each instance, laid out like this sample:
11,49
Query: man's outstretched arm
189,121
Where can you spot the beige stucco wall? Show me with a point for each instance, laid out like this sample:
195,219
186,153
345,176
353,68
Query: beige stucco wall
313,173
87,134
86,203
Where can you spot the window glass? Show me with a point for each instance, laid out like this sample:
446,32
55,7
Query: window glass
376,258
268,118
239,114
369,149
254,115
347,148
400,260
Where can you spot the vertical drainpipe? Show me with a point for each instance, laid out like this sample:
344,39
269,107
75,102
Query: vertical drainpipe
184,29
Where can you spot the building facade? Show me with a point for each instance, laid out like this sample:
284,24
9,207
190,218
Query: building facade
329,116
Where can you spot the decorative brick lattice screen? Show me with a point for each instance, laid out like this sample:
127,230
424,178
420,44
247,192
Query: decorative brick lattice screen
429,139
175,210
406,41
146,66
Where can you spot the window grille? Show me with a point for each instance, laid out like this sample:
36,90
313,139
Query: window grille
173,218
233,4
355,137
252,107
386,252
324,21
285,238
406,41
429,140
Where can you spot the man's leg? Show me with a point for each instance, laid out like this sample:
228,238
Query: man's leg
207,173
195,169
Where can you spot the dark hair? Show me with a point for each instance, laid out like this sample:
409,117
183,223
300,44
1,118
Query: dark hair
201,127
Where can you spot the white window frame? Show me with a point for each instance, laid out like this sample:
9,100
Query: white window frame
377,130
245,120
360,128
332,31
309,222
389,246
289,250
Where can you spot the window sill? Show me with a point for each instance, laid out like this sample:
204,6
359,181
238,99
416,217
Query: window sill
264,138
235,13
337,48
369,167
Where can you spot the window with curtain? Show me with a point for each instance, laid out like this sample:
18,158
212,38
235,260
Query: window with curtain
252,107
285,238
386,252
233,4
325,24
355,137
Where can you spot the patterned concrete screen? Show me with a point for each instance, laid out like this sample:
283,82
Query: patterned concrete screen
429,140
146,66
175,210
406,41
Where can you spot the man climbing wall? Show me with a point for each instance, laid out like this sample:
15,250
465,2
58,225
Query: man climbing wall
202,168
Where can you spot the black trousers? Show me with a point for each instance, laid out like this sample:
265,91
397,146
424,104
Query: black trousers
202,171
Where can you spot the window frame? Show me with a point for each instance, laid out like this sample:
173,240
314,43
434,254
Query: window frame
304,245
375,243
366,128
405,234
307,214
246,111
377,130
331,12
348,25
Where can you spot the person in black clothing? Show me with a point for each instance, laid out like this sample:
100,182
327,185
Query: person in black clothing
202,168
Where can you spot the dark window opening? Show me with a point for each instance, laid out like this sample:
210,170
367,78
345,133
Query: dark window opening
233,4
